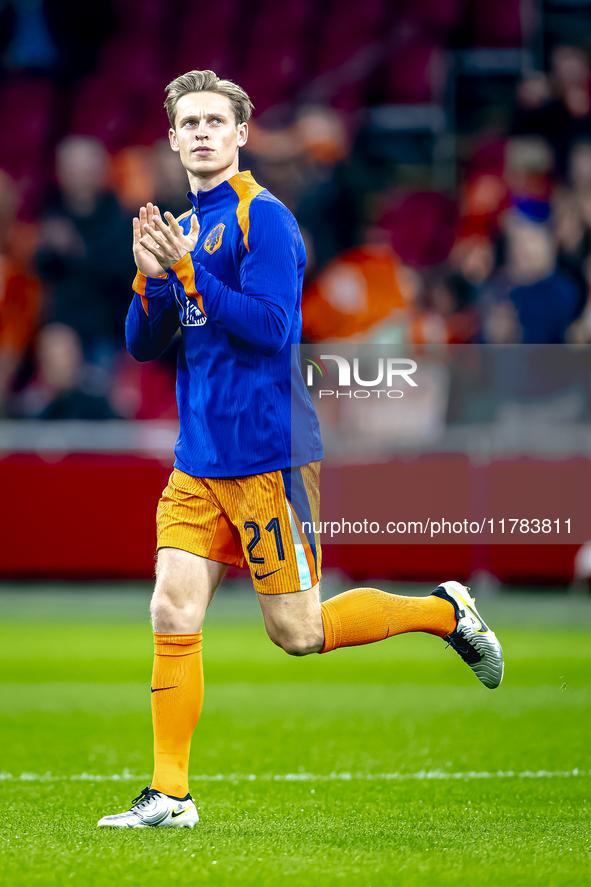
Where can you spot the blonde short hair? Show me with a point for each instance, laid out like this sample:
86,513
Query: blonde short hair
207,81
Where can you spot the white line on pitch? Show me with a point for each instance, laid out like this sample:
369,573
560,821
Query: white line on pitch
127,776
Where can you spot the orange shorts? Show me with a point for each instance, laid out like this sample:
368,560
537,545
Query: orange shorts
263,521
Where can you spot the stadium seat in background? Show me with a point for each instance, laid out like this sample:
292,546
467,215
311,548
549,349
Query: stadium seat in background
347,29
496,24
436,17
280,36
422,226
96,112
27,108
347,51
192,51
413,70
412,74
116,102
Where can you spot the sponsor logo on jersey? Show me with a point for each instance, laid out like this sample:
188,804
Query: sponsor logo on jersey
213,240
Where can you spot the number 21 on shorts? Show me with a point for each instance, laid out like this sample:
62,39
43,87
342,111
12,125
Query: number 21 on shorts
272,527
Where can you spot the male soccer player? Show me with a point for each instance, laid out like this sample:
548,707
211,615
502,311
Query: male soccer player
245,479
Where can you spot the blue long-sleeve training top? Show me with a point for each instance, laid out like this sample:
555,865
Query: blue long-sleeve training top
243,405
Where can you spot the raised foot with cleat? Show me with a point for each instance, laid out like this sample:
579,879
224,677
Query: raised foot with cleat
152,809
472,639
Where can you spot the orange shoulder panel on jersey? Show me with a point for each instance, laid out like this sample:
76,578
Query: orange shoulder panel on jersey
247,189
185,271
184,215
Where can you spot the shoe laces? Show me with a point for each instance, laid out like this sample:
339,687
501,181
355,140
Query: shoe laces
144,797
464,646
455,645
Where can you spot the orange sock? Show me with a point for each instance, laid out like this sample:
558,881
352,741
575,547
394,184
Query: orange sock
367,615
177,697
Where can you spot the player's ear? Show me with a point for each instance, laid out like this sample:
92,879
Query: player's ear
242,134
174,142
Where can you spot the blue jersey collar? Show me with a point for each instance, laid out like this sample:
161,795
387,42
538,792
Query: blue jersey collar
204,200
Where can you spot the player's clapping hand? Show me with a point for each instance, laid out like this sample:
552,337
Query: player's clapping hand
145,261
164,243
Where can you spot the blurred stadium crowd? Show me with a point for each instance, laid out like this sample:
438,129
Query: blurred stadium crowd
436,153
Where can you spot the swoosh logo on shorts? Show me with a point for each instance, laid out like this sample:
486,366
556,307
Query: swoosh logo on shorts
156,689
264,576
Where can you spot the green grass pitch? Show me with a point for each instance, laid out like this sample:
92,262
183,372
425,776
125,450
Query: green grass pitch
382,765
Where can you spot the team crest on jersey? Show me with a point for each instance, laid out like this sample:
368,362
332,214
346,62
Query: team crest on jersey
189,311
214,239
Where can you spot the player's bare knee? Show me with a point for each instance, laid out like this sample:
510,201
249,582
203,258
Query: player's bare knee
295,644
302,647
162,612
169,608
165,597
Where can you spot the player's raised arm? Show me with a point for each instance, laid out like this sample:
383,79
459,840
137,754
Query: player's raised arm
262,313
152,319
146,261
167,243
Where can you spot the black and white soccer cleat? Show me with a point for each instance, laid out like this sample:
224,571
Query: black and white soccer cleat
152,809
472,639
